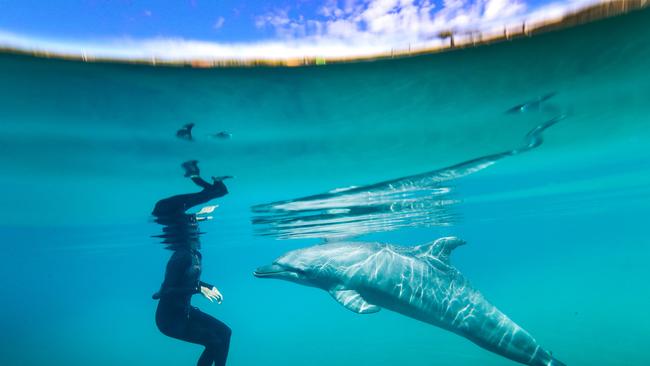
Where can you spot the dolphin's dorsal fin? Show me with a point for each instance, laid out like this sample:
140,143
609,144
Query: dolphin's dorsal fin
439,248
353,301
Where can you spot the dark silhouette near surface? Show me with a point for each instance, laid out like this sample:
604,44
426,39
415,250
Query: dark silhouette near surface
185,132
224,135
531,105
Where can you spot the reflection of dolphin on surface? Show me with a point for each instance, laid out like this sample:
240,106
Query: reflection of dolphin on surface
532,105
418,282
412,201
222,135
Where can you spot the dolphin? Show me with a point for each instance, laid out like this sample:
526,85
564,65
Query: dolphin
418,282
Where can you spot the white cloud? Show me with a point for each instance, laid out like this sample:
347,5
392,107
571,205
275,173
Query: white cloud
502,8
343,28
277,18
218,23
398,22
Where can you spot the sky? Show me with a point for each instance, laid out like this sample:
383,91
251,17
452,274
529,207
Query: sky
246,29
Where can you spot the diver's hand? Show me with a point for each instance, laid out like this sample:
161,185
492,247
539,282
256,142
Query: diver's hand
212,294
218,294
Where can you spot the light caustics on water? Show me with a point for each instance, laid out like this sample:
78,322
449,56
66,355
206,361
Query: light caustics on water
421,200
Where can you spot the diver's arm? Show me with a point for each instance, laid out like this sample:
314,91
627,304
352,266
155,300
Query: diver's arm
211,292
205,284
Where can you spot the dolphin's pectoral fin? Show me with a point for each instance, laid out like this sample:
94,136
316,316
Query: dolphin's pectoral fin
439,248
353,301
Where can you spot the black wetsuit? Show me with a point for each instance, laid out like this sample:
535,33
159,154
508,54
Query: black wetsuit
175,316
177,205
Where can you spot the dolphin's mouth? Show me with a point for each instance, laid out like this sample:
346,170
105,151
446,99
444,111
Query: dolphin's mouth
270,270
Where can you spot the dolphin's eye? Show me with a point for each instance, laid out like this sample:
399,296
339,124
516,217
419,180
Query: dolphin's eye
298,271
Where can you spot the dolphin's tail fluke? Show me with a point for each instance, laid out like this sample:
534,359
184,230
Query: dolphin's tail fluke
542,357
555,362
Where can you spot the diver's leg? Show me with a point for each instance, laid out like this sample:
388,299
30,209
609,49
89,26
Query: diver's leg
191,168
223,333
200,182
172,322
195,199
180,203
213,334
196,329
206,358
218,188
171,206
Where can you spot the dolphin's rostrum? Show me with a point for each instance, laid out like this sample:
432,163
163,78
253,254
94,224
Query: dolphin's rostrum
418,282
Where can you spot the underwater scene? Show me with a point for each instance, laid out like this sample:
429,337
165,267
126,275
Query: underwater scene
482,206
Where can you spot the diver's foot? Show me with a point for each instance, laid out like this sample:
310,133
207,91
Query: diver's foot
191,168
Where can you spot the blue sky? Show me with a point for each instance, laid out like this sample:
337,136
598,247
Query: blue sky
177,29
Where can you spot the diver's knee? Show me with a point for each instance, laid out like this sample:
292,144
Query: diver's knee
227,332
223,333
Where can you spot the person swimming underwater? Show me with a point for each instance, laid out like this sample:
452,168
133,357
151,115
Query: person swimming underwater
175,316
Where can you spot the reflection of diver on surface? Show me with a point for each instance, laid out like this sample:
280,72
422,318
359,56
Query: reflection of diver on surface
175,317
185,132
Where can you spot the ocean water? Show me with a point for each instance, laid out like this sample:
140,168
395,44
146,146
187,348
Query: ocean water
557,237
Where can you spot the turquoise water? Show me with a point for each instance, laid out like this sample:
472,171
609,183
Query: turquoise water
556,237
